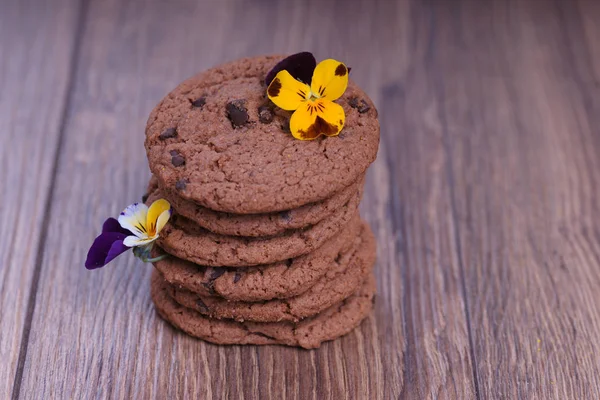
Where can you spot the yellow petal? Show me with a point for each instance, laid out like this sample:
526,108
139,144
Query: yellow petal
162,220
287,92
154,212
313,119
330,79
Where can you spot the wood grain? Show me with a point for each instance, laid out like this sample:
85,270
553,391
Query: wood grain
97,332
36,45
525,172
484,199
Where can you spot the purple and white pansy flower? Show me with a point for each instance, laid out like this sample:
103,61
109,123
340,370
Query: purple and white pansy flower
137,227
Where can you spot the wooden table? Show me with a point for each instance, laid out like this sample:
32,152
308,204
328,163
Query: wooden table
485,197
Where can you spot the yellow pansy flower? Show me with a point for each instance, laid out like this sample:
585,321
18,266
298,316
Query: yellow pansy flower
315,112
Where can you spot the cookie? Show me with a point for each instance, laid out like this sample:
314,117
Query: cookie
254,225
280,280
309,333
184,239
341,281
226,156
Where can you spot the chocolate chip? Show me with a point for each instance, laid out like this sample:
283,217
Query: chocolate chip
199,102
265,336
203,307
168,134
289,262
145,197
237,277
181,184
176,158
265,114
286,126
237,113
286,216
361,106
213,274
216,272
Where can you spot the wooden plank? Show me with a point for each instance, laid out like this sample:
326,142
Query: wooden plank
96,334
522,131
437,358
36,44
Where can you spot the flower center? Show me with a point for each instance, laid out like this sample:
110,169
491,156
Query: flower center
312,97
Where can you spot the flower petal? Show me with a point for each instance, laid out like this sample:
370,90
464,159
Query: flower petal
314,119
287,92
330,79
134,241
162,220
299,65
105,248
112,225
133,218
155,211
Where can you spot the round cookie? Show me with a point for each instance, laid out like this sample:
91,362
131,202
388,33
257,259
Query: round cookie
254,225
184,239
340,282
309,333
280,280
217,140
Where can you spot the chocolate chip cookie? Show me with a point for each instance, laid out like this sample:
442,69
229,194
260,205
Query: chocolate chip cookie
218,141
341,281
309,333
254,225
275,281
185,239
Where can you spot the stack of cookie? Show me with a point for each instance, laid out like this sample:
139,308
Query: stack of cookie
266,244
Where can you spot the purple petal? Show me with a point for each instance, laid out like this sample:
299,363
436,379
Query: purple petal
112,225
300,65
105,248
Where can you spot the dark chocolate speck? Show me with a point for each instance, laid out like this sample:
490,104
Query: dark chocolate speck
199,102
360,105
265,114
168,133
237,113
181,184
177,159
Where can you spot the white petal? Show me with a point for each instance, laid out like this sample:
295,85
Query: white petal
133,218
134,241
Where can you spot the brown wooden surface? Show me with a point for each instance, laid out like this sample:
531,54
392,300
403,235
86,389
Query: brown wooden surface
485,197
35,67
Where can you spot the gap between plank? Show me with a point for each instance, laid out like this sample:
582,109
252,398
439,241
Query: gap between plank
35,280
457,241
439,91
398,226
